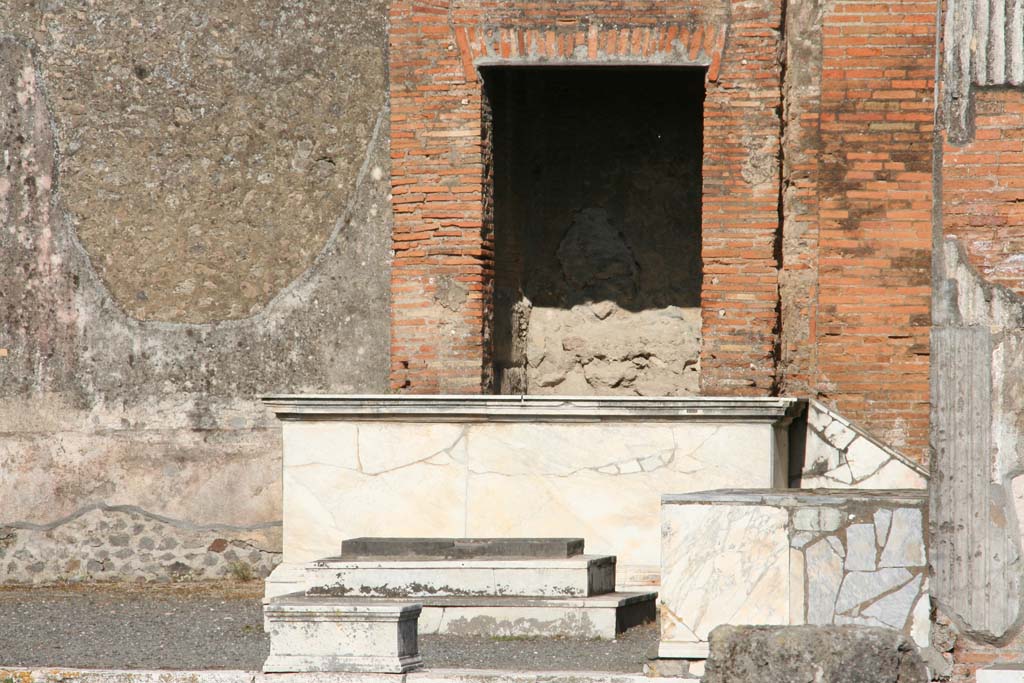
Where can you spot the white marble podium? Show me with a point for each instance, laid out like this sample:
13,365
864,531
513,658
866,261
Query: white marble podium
525,466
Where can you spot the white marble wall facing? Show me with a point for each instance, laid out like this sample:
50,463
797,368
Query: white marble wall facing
840,455
777,558
516,466
721,564
1005,673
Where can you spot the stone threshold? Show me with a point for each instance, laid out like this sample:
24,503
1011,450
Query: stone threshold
787,498
58,675
473,408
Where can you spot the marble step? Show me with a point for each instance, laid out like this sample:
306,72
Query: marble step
579,576
380,548
598,616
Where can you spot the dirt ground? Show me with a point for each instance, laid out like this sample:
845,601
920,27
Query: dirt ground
219,625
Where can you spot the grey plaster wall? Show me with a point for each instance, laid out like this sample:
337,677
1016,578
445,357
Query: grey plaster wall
193,212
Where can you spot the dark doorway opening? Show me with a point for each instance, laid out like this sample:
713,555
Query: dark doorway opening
597,210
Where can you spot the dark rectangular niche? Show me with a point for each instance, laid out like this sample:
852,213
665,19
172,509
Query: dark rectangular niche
596,213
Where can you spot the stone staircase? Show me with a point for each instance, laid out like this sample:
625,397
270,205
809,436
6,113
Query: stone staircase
487,587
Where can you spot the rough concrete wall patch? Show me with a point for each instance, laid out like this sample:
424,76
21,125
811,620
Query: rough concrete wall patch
196,200
99,407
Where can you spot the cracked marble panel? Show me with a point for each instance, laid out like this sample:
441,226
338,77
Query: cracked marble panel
323,443
723,564
384,447
897,607
860,588
326,502
824,576
861,552
905,544
840,455
600,481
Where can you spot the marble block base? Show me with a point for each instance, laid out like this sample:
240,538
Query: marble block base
568,577
792,557
335,634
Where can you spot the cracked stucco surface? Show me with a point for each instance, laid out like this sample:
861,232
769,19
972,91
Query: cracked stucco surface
125,128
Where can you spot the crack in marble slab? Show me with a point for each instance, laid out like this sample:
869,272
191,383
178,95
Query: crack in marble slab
873,472
858,609
310,495
445,451
753,586
598,469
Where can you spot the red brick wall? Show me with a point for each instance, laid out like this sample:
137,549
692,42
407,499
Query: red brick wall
443,265
969,656
874,203
443,255
739,297
866,190
983,189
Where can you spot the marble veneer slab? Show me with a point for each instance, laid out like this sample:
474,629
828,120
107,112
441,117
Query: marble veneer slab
579,576
750,557
330,634
511,466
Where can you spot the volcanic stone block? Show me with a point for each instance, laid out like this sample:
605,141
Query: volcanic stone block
797,654
459,548
338,634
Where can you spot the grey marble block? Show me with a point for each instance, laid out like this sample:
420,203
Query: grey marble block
375,547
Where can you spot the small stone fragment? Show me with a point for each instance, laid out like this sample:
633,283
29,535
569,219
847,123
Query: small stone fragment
905,547
824,570
861,587
882,520
860,547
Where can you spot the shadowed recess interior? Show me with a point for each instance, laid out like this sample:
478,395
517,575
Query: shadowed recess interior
597,213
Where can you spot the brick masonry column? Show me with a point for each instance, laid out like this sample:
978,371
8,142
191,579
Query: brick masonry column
443,262
739,297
